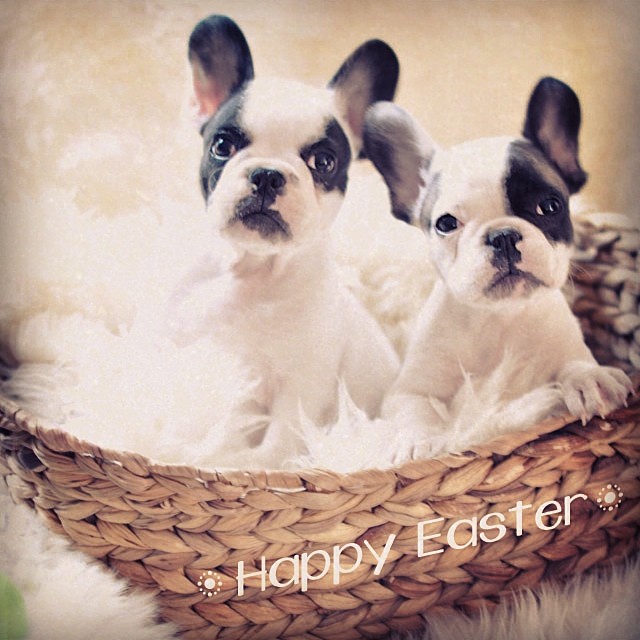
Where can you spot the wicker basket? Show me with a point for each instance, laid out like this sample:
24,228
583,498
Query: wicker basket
358,555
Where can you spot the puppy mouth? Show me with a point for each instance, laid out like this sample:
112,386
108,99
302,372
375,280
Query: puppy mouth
256,216
513,281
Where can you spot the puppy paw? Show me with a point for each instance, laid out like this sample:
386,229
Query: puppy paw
591,389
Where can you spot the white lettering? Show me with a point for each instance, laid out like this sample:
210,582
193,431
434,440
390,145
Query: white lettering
485,526
347,558
542,511
421,538
242,576
305,576
338,569
473,537
382,558
567,506
518,511
295,571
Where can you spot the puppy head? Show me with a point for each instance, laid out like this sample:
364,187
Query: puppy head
496,211
277,153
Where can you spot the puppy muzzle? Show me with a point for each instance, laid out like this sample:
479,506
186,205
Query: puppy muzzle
255,215
506,256
504,243
269,183
256,211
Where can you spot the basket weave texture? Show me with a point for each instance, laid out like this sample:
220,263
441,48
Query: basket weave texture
380,548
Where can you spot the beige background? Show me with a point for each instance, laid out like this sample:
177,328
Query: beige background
69,68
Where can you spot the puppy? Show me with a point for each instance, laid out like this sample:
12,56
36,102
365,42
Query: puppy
496,215
274,173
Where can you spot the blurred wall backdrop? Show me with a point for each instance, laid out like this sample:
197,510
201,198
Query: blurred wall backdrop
108,71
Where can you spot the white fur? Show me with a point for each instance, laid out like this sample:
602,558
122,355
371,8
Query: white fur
99,363
481,363
596,606
271,107
276,301
67,596
471,189
222,337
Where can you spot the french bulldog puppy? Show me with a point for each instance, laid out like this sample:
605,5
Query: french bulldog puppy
496,215
274,173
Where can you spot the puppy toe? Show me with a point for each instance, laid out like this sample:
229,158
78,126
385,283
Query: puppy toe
596,391
623,381
575,400
615,387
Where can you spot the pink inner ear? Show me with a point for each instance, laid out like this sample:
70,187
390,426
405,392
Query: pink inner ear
559,148
208,95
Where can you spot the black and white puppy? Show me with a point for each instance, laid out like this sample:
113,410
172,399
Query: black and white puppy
274,173
496,215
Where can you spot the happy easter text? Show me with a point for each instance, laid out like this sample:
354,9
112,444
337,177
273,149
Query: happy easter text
343,559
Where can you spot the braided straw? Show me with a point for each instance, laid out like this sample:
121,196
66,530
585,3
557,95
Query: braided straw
606,288
424,536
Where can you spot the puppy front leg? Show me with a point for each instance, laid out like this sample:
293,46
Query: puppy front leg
591,389
428,413
430,375
422,418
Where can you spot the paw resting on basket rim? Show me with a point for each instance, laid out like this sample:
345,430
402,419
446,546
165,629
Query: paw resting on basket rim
591,389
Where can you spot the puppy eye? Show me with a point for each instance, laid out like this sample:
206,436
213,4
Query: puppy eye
223,147
446,224
549,207
323,162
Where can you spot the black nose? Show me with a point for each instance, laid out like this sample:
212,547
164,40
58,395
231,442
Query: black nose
504,243
267,181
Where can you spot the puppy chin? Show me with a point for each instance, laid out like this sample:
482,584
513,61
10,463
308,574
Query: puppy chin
502,291
519,284
255,235
499,290
475,278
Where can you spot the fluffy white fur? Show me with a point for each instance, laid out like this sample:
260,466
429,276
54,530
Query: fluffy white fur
67,596
555,612
98,362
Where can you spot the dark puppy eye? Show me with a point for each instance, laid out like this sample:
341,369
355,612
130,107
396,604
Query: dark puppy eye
549,207
324,162
446,224
223,147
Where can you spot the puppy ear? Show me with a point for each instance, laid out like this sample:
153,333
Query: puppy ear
402,152
369,74
552,124
220,61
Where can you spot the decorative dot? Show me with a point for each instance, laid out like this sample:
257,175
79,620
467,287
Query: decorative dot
210,583
609,497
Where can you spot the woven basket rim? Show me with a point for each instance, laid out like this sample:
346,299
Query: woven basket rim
317,478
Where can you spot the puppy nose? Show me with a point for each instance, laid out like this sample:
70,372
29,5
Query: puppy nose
504,243
267,181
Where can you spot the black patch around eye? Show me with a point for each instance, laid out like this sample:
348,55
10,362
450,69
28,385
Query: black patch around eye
225,123
531,196
335,145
